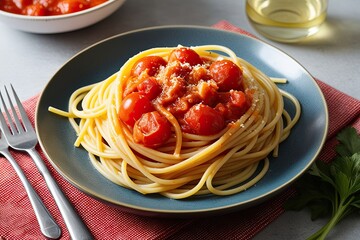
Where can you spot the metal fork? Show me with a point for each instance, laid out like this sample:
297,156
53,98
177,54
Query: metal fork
20,135
47,224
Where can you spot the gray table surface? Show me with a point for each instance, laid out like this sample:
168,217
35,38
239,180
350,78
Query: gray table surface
28,61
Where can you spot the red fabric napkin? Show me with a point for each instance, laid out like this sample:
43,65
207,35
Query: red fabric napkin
17,220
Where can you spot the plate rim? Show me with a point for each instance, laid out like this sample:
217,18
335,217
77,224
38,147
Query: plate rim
185,212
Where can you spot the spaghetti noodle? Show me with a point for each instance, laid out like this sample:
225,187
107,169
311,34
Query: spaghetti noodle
223,161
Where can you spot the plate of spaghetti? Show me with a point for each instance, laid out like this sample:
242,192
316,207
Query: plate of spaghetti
195,121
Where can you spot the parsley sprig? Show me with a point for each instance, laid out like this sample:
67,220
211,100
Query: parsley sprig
332,189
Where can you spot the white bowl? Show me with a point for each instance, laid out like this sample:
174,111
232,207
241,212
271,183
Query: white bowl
60,23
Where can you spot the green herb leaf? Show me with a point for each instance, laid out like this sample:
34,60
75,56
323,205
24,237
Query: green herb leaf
315,194
332,189
350,142
322,170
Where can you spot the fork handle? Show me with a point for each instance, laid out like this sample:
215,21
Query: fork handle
73,222
48,226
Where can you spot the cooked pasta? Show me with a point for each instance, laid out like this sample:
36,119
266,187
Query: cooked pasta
228,157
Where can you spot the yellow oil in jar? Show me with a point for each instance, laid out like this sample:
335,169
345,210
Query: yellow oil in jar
286,20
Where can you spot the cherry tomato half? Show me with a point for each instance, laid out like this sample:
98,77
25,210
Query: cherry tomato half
152,130
227,75
36,9
239,103
149,63
233,104
150,88
71,6
204,120
133,107
185,55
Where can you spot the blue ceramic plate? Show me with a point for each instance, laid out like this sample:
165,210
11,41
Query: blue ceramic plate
106,57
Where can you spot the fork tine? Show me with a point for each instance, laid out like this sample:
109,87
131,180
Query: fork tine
25,119
3,125
3,121
19,127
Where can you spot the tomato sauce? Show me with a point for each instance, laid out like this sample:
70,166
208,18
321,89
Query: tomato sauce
47,7
202,94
